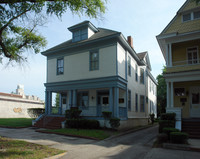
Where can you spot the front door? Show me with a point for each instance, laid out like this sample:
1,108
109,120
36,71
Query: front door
102,102
64,104
195,102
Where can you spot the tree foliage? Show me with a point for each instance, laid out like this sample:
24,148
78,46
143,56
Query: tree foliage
161,93
19,20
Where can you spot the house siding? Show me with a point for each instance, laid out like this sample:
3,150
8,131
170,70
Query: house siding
76,66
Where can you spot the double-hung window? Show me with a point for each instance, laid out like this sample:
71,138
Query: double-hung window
136,72
142,103
142,75
60,66
136,102
94,60
129,66
80,35
192,55
83,99
129,100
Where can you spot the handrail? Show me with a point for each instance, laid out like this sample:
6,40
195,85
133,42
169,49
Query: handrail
186,62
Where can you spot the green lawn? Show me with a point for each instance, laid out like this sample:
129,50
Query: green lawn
94,133
16,122
13,149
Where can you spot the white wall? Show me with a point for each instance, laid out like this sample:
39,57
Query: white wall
90,32
76,66
121,60
17,109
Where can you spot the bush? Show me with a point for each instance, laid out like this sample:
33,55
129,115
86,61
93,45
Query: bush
35,112
152,117
178,137
168,116
161,138
114,123
106,116
168,130
82,124
73,113
166,123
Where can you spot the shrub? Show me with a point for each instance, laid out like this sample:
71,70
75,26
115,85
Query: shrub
73,113
152,117
168,116
35,112
168,130
161,138
82,124
178,137
166,123
114,123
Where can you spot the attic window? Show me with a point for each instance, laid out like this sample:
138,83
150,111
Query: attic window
197,15
80,35
186,17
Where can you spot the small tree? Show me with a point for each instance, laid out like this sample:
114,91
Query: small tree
152,118
114,123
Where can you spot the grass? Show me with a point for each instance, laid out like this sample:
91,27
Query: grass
16,122
94,133
12,149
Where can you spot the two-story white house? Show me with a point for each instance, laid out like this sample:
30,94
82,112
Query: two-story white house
98,70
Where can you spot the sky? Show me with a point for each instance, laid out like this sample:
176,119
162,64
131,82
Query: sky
143,20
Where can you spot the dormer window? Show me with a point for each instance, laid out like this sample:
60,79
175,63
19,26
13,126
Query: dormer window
82,31
80,35
191,16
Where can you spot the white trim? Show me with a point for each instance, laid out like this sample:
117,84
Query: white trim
192,54
172,95
170,54
168,103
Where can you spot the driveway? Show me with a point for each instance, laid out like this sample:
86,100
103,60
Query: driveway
136,145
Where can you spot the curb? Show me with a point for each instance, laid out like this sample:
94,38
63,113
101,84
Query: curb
57,156
84,137
130,131
10,127
180,147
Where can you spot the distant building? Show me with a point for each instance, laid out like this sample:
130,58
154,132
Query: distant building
15,105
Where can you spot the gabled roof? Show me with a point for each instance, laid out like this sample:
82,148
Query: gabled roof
144,57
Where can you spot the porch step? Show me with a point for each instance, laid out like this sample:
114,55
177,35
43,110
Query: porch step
50,122
192,127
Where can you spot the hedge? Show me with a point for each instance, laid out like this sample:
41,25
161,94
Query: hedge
168,130
168,116
178,137
166,123
82,123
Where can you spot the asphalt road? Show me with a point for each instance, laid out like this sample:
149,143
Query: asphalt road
136,145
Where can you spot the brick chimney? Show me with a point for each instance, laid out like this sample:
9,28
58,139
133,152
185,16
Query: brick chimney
130,41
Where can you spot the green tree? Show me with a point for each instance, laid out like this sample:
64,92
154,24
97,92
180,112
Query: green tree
57,100
161,93
19,20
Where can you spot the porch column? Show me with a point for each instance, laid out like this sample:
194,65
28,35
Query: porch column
46,102
111,100
70,98
74,98
49,102
126,101
116,109
168,101
170,55
167,55
172,95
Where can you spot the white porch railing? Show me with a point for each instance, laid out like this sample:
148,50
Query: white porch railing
186,62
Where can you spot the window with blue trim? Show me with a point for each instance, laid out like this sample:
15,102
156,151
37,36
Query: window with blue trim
129,66
80,35
136,72
94,60
142,75
60,66
142,103
83,99
136,102
129,100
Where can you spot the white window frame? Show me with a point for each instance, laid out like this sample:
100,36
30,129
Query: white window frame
192,55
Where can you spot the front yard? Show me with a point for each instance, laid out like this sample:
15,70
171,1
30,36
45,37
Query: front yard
16,122
12,149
